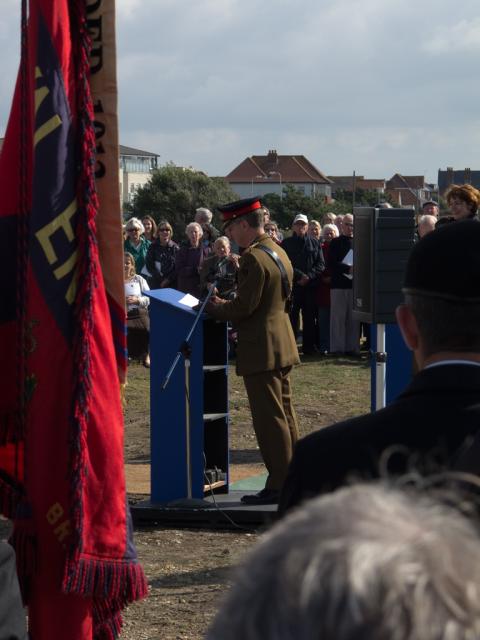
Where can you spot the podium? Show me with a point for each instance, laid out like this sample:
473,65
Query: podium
170,322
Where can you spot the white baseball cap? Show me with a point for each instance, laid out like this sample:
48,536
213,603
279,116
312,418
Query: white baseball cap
300,217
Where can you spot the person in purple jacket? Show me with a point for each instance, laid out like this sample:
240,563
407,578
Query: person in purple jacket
189,259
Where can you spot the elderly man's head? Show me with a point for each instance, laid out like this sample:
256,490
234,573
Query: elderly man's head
363,563
300,225
347,225
430,208
203,216
426,224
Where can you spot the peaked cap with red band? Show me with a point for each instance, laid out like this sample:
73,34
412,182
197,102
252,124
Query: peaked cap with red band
239,208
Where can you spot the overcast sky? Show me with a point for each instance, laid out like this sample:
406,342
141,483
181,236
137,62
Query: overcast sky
375,86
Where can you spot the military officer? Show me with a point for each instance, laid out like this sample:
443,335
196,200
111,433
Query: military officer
266,346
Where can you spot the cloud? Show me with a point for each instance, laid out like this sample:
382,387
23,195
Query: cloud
461,37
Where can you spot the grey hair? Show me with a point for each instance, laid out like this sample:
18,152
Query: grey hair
222,239
135,223
194,225
364,563
332,227
204,214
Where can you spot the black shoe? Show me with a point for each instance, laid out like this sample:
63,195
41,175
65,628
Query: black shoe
265,496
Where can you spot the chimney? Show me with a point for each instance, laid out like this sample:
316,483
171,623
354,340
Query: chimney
272,157
467,175
449,176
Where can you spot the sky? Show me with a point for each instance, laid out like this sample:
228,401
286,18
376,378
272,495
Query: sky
371,86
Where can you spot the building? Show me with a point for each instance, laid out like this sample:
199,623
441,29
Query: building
135,170
457,176
345,183
408,191
259,175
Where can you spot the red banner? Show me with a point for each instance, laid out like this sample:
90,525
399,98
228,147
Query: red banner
61,423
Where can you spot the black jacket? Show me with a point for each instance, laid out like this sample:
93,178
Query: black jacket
339,247
424,428
306,256
165,256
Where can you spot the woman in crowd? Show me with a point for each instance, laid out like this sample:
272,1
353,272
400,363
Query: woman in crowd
271,228
138,322
189,259
314,229
136,244
150,228
328,218
329,232
160,258
226,274
463,201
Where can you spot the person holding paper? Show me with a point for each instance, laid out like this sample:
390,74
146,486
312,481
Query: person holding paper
138,321
344,330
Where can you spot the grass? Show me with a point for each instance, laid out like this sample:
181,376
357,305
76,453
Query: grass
325,390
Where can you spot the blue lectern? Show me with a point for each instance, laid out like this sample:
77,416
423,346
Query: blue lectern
204,463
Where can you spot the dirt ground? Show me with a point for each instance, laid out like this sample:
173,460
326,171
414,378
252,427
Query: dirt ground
189,570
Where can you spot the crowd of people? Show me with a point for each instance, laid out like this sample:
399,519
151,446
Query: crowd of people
320,253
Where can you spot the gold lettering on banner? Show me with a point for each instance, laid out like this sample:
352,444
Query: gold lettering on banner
62,530
100,130
52,123
44,236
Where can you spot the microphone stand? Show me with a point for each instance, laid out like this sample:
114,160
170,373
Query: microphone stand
185,351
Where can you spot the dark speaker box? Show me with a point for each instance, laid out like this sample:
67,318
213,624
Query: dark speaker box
382,242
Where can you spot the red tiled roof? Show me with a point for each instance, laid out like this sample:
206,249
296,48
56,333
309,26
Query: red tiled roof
406,182
291,169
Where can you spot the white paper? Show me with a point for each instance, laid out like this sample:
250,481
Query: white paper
348,259
132,289
189,300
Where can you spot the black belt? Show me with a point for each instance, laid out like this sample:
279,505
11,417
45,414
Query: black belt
287,289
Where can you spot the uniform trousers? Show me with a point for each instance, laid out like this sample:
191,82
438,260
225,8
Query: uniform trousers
344,330
274,421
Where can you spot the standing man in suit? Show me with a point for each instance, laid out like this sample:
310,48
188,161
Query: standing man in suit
306,256
266,348
344,329
431,425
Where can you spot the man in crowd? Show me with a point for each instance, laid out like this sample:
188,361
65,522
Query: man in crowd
204,218
306,256
426,224
344,329
430,208
365,562
429,426
266,348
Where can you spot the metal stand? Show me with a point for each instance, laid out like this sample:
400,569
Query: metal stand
185,350
381,369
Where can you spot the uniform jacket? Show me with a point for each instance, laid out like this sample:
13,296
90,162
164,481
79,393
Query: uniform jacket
265,336
424,429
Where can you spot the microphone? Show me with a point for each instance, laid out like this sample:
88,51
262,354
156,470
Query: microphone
222,262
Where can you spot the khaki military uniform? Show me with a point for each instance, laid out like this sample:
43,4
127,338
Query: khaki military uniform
266,353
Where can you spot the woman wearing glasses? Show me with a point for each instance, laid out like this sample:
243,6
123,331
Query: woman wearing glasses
160,258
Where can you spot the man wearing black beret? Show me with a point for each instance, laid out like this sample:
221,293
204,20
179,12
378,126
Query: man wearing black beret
266,348
431,425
